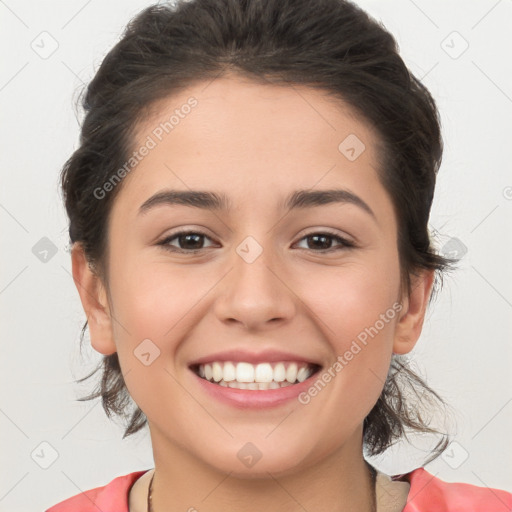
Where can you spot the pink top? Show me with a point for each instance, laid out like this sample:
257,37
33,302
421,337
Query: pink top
426,494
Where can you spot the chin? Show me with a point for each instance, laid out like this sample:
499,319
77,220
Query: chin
250,463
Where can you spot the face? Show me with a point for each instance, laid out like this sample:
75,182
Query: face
313,285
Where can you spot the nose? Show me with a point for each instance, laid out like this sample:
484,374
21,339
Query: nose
257,294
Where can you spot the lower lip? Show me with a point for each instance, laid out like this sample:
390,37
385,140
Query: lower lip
254,399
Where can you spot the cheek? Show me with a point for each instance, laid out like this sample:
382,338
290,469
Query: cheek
156,302
154,299
358,312
353,298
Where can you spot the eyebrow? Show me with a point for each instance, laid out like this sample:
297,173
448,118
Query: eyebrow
214,201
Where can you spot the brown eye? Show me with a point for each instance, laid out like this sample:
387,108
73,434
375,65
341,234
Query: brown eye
193,242
324,242
188,241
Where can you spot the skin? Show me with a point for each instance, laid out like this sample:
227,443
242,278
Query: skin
256,144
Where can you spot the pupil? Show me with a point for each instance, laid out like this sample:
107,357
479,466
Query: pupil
184,239
325,245
188,239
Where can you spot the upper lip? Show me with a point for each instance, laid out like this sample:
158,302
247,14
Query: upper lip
265,356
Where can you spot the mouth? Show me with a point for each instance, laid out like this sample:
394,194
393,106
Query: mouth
257,377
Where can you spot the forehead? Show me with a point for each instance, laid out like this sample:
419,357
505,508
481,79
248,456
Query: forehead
235,134
254,113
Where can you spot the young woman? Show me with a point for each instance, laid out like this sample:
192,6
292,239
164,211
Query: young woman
249,212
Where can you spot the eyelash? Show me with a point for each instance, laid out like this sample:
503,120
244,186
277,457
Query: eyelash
345,244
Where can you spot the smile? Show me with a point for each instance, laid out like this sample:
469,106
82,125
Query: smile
261,376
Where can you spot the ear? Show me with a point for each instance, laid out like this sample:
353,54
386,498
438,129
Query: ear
408,328
94,301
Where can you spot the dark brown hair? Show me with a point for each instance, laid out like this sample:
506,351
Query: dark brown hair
331,45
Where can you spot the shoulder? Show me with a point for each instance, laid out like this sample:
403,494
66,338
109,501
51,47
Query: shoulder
112,497
428,493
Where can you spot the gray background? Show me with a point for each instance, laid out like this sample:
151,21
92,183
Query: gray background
49,49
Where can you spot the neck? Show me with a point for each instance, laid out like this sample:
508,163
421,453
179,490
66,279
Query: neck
343,481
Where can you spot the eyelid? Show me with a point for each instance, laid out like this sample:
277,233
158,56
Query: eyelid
164,242
328,231
344,242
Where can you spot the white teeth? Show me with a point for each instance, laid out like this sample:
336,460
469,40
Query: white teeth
261,376
291,373
302,374
217,373
264,373
244,372
229,372
279,372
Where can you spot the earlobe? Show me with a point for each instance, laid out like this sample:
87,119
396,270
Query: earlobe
94,301
409,326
